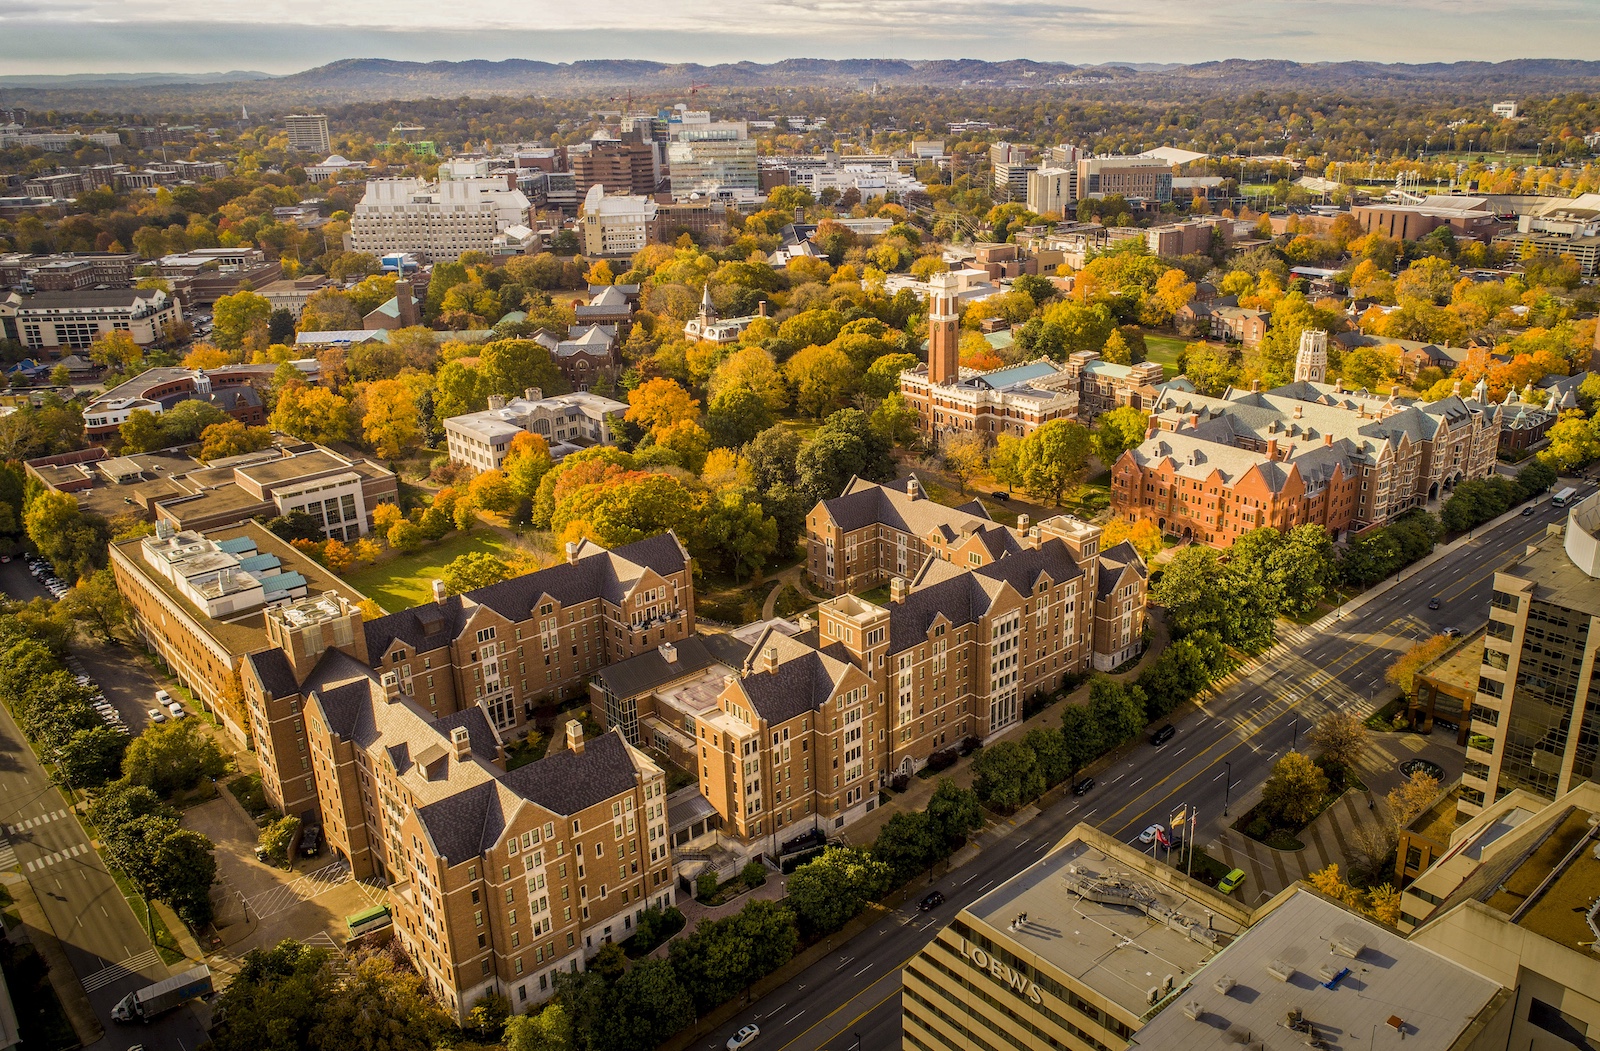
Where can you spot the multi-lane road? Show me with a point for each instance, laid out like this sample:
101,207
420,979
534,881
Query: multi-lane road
854,994
104,940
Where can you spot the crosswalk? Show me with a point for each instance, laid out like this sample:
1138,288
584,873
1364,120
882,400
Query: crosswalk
35,822
288,895
115,972
8,855
46,860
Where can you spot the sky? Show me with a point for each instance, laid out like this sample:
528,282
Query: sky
284,36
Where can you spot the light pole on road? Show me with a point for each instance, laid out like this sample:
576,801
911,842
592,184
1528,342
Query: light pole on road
1227,786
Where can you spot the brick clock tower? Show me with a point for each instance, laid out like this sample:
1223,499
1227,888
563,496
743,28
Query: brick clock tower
944,330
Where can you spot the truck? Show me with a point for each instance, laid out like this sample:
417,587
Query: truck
143,1005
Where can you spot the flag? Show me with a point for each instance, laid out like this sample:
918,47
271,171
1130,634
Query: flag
1161,837
1179,816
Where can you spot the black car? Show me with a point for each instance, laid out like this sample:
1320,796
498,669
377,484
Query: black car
1433,603
932,900
1164,734
1526,511
1083,786
1000,495
310,841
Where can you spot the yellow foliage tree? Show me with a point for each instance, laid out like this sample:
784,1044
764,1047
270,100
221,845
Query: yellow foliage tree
390,423
659,403
1142,534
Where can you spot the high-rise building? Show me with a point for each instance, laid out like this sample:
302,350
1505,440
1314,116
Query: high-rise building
707,156
616,225
622,166
308,132
1536,716
1052,191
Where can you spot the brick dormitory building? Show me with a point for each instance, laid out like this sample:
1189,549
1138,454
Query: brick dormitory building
393,729
1213,469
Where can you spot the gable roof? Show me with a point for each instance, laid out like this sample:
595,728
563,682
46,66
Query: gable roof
805,677
566,782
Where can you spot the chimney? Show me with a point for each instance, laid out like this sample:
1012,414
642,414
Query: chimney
761,309
1255,386
1327,439
1194,419
461,743
497,401
572,551
406,304
438,591
913,488
1394,391
575,736
1272,448
769,659
533,394
1022,523
897,590
669,652
1297,410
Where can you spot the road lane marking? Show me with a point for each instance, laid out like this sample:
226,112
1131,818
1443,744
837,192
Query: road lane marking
787,1021
863,971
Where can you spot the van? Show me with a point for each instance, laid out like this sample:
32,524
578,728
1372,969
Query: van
1163,734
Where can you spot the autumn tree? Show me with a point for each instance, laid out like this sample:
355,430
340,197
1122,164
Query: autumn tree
659,403
964,456
390,424
234,316
1295,790
1411,797
231,439
116,351
1053,458
1141,533
1403,671
311,413
1119,430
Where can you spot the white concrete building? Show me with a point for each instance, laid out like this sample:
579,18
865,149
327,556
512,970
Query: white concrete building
439,220
616,224
54,141
1053,191
568,422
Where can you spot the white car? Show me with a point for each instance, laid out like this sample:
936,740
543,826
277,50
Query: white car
1149,835
163,698
157,715
176,708
743,1037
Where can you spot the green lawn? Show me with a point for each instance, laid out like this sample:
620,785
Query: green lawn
408,580
1164,349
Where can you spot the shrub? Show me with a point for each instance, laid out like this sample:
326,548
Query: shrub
705,885
754,874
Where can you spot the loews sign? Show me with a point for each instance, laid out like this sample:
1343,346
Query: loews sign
1019,983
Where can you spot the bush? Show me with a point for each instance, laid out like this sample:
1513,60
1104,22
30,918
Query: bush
276,839
655,926
705,885
944,758
900,781
754,874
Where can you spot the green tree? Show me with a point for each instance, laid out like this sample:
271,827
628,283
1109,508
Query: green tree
906,844
845,446
1117,710
509,367
1573,443
1053,458
96,607
826,892
895,420
549,1030
954,813
1119,430
172,756
1295,790
1007,775
276,839
1050,749
737,533
73,542
92,757
381,1006
186,867
735,416
883,376
276,999
648,1003
141,431
473,570
1080,735
231,439
187,421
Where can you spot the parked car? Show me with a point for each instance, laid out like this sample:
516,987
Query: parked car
1450,633
163,698
1149,835
310,841
1232,880
176,708
1000,494
1083,786
1163,734
157,715
931,900
743,1037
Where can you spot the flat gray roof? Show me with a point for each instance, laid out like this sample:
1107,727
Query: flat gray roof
1286,962
1120,942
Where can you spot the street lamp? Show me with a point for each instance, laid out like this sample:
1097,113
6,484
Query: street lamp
1294,732
1227,786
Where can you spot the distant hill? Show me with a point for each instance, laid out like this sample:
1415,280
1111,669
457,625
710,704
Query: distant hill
78,80
374,79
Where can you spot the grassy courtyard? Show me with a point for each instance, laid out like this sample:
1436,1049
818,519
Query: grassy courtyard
1164,349
407,581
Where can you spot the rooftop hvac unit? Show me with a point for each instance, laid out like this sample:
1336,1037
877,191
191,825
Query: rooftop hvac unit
1328,972
1225,984
1195,1010
1346,947
1152,995
1281,970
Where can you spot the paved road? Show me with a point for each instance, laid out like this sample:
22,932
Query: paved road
105,942
855,992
